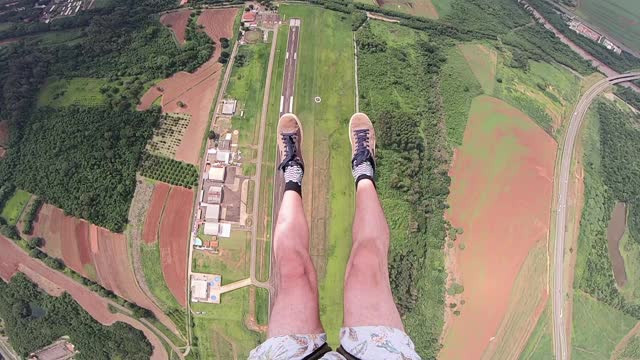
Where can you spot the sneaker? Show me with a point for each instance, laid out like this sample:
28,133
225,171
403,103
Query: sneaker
290,142
363,141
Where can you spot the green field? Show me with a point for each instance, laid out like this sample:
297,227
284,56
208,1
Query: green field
424,8
545,92
220,332
76,91
247,86
540,344
152,271
597,328
482,60
14,206
459,87
618,18
326,69
232,262
262,306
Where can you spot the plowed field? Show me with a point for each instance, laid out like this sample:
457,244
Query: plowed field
174,241
95,253
151,223
177,22
501,188
196,91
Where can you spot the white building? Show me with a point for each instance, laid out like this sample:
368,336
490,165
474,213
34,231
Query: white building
217,173
211,228
212,214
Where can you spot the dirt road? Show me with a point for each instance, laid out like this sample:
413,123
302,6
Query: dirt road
559,327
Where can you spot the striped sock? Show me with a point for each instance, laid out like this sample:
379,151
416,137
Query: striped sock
363,171
293,178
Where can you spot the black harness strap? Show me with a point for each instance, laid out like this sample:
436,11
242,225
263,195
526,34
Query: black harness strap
318,353
346,355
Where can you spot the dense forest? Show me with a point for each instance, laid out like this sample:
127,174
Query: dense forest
620,63
612,173
83,160
34,319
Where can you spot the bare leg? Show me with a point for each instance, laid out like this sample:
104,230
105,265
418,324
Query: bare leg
367,293
295,309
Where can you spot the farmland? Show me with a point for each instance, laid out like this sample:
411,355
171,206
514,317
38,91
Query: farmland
326,42
597,328
168,135
93,252
543,91
620,19
174,240
193,93
502,148
150,257
168,170
482,61
14,206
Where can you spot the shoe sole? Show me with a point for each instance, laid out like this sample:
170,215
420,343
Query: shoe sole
299,127
351,136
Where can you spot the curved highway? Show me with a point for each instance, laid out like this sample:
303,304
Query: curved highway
559,327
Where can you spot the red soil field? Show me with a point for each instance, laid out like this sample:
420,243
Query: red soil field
174,238
12,259
177,22
106,262
66,238
501,189
197,90
151,223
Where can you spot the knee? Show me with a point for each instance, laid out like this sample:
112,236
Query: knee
294,267
367,265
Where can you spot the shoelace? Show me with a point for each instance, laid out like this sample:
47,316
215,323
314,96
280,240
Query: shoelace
362,147
290,151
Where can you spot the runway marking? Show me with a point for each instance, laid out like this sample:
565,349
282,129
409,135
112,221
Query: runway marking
287,58
281,103
291,104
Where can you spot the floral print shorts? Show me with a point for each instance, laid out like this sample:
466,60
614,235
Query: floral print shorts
362,342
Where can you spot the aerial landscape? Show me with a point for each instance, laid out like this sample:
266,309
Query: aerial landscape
140,189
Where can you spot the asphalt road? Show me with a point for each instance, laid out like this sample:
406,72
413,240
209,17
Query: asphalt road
559,326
